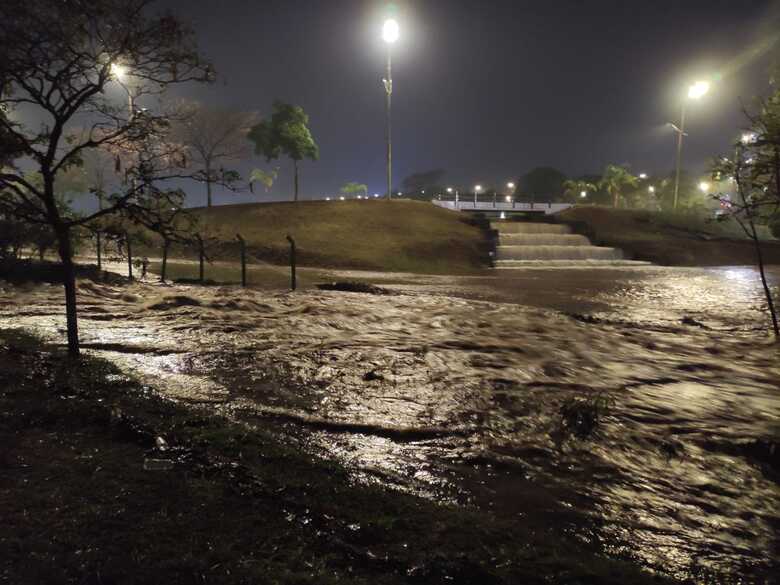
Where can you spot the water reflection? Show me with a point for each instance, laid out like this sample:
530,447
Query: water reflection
453,389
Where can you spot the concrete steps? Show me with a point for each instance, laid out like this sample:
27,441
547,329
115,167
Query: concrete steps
522,244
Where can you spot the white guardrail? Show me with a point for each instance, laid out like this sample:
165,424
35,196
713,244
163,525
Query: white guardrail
546,208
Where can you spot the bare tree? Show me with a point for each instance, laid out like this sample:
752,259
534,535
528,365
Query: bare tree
69,61
213,137
754,174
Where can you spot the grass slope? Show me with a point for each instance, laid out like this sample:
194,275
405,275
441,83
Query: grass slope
400,235
669,239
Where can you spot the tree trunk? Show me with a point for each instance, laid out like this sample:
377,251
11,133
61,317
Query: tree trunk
69,281
208,186
129,258
99,252
295,166
166,244
616,200
768,293
201,254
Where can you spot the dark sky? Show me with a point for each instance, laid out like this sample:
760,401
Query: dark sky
489,89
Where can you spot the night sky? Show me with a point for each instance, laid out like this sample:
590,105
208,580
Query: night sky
488,90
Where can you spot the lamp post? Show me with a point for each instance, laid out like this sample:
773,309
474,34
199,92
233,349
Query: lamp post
696,91
450,190
390,36
477,189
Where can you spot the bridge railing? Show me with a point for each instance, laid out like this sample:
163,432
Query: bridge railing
502,206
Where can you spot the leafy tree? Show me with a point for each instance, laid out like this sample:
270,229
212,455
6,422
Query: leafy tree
286,133
541,184
213,136
573,189
265,178
615,181
353,188
59,61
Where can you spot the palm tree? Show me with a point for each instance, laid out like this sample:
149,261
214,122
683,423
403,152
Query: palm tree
573,189
615,179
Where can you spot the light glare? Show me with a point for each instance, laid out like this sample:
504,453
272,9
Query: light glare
390,30
698,89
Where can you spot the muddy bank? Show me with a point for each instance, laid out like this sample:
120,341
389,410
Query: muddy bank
470,402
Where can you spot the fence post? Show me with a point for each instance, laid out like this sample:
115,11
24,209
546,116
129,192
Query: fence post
129,257
99,256
292,261
164,269
201,253
243,259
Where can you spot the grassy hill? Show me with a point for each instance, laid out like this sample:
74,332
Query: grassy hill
672,239
397,235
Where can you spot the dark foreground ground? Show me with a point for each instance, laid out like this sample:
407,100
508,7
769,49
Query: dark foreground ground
103,481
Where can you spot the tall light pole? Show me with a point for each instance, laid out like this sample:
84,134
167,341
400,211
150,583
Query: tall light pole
390,36
477,189
696,91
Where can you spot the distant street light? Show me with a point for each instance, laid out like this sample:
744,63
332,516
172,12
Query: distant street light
704,186
510,185
642,175
583,193
509,199
651,189
696,91
450,190
390,33
477,189
748,138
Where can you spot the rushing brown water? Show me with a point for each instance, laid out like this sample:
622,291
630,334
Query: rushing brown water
455,388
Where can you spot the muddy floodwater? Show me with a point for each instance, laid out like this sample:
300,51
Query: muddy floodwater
467,389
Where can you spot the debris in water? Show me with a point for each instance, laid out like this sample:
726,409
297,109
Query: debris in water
352,286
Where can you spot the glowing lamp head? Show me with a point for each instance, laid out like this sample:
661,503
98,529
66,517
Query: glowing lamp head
478,188
449,189
508,199
510,185
704,186
698,89
651,189
118,71
390,31
748,138
583,193
642,175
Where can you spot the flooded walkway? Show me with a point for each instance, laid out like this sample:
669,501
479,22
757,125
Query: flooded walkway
479,390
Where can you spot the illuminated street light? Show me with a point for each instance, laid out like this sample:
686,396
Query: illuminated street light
450,190
698,89
583,193
748,138
642,175
477,189
390,33
695,92
118,71
510,185
508,198
704,186
651,189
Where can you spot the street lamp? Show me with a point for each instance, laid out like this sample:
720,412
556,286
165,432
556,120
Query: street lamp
510,185
704,186
390,33
651,189
695,92
450,190
583,194
477,189
642,175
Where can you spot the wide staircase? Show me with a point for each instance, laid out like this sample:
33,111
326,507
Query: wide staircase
531,243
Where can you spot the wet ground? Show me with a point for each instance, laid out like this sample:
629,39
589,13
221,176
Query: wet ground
634,408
